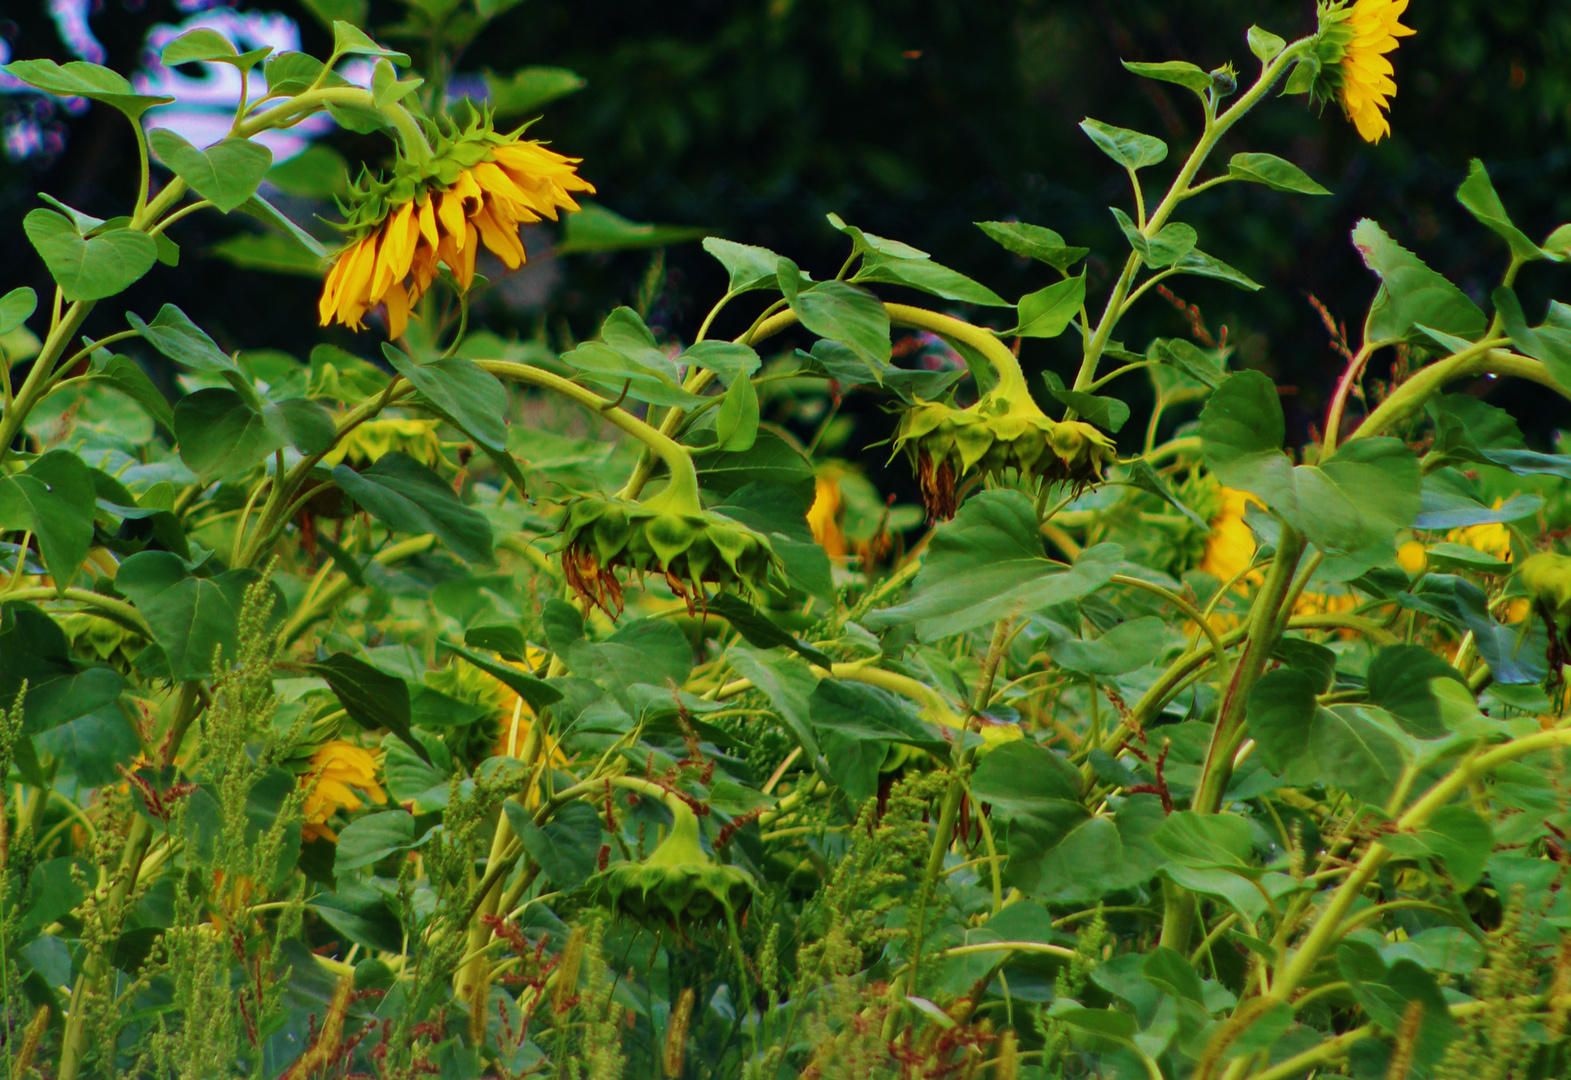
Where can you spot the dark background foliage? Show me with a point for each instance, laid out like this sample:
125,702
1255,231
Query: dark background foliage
912,119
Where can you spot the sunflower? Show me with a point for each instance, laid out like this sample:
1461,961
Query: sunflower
478,188
1230,547
337,768
827,515
1351,46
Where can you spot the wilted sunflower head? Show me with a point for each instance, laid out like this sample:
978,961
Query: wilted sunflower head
996,435
690,547
1350,51
678,883
478,187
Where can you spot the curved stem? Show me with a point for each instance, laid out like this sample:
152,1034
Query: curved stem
1184,606
683,489
1411,395
117,610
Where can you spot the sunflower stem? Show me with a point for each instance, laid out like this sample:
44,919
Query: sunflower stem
1177,193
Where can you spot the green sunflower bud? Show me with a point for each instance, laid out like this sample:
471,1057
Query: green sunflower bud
996,435
677,883
690,547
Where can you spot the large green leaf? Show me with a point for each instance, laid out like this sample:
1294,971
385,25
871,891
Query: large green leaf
226,174
841,312
1411,294
1034,242
1273,172
769,460
1129,645
174,334
529,88
1180,72
1048,312
1399,679
190,616
1361,750
89,269
566,847
467,396
463,390
16,307
1354,500
126,376
222,435
78,78
747,267
54,498
1280,712
373,699
990,562
1550,343
1478,195
1022,779
1094,856
1131,149
372,838
408,497
1458,836
1385,995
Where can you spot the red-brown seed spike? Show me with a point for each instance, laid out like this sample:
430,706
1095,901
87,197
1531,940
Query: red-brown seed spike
938,487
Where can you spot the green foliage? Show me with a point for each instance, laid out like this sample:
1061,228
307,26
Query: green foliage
497,707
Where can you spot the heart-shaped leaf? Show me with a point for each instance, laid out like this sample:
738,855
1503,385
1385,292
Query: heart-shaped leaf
89,269
226,174
195,45
53,498
82,79
16,307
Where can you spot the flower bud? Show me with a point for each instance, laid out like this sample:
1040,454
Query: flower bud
1224,81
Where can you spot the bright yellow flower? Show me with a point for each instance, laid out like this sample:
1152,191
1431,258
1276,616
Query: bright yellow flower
1231,546
1352,47
827,514
337,769
415,224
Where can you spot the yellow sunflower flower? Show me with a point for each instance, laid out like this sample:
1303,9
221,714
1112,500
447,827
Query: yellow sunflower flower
479,189
337,769
1231,546
1351,46
827,514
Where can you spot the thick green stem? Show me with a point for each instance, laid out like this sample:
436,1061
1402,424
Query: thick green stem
681,493
950,812
1264,627
1177,193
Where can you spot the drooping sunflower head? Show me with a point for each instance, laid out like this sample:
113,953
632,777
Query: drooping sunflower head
996,435
690,548
679,883
1350,50
479,186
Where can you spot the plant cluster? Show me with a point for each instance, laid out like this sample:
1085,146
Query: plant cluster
493,708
